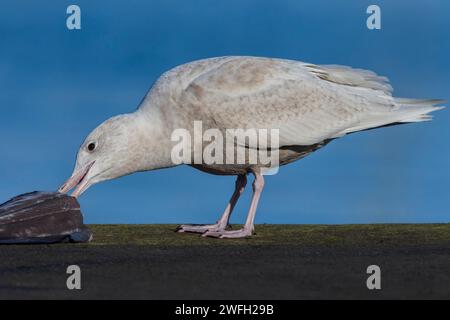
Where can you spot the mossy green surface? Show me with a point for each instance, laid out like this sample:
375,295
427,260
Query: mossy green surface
299,235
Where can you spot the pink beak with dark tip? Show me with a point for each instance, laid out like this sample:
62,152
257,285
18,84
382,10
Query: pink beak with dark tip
78,179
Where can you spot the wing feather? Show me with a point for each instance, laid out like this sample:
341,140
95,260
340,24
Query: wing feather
270,94
307,103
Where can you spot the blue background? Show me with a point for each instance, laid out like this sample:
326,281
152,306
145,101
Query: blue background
57,85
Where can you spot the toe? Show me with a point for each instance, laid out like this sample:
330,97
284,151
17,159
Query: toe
214,234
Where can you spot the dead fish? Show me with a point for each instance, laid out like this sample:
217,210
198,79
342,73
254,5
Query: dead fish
42,217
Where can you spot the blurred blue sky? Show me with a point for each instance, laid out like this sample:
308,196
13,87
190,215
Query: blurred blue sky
57,85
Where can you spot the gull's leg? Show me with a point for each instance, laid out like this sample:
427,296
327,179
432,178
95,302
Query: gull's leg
241,181
248,228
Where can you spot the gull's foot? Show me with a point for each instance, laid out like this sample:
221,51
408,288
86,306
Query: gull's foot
200,228
229,234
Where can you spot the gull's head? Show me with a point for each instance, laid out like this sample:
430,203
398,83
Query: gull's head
104,155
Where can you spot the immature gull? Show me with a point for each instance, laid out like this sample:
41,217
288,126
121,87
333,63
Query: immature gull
308,104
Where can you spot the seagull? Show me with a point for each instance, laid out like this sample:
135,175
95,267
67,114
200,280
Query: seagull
308,105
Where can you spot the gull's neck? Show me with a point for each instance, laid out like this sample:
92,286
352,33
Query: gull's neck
149,140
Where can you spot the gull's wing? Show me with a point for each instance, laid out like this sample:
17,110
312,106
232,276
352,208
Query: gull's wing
306,103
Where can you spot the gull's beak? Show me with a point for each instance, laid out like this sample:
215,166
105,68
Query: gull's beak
79,180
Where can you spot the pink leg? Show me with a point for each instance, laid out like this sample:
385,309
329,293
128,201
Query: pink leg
241,181
248,228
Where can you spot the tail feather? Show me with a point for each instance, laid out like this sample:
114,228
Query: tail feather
407,111
417,110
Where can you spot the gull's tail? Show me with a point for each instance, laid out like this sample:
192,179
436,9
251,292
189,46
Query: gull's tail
407,111
417,110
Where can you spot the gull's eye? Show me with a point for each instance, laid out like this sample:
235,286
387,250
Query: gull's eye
91,146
